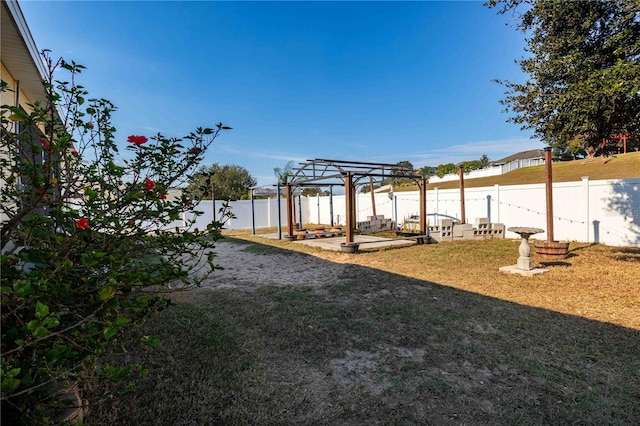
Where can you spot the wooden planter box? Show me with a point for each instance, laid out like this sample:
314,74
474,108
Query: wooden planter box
552,250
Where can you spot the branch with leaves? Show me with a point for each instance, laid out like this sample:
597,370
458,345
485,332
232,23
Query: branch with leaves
89,235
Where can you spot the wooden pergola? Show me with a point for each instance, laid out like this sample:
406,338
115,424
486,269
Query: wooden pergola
322,172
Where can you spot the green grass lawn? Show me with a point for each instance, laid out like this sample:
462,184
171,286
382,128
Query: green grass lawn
429,334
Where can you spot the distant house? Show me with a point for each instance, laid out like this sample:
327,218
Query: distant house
174,194
532,157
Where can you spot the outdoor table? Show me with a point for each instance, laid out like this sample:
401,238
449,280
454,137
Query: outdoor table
524,261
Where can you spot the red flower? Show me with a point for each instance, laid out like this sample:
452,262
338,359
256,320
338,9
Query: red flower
195,150
149,184
187,203
74,153
45,143
82,223
138,140
163,196
89,125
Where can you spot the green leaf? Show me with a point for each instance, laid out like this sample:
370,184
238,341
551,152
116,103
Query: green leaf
18,114
106,292
40,332
42,310
33,324
122,321
53,355
109,332
9,385
152,341
51,322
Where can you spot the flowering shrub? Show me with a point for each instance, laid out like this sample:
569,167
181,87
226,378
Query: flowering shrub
88,237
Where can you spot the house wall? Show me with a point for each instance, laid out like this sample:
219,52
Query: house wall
490,171
12,95
8,97
603,211
474,174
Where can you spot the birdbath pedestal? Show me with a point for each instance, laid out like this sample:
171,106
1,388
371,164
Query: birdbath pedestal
524,261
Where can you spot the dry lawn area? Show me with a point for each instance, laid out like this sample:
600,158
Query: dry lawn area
429,334
619,166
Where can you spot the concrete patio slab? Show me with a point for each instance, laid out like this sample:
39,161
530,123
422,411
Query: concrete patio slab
513,269
333,243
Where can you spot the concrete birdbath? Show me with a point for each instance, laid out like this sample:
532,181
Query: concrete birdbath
524,266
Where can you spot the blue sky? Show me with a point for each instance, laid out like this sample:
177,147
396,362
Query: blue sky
360,81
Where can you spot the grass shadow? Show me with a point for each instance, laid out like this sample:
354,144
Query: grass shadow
627,254
555,263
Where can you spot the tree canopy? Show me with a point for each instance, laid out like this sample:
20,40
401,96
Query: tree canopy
282,173
405,168
231,182
450,168
583,86
312,191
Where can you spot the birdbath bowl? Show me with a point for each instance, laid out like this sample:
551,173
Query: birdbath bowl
524,261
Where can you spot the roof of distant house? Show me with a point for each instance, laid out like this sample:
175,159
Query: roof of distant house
524,155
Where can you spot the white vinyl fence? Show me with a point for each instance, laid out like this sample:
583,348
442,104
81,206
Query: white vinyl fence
604,211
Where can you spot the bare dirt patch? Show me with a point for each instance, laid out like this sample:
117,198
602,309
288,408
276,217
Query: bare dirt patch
248,266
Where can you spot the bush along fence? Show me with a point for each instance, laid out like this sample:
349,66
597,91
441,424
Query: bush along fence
603,211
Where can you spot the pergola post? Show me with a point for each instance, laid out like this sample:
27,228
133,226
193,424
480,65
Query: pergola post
463,217
331,203
290,218
348,188
213,202
549,192
354,206
423,205
373,197
299,212
279,208
253,214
